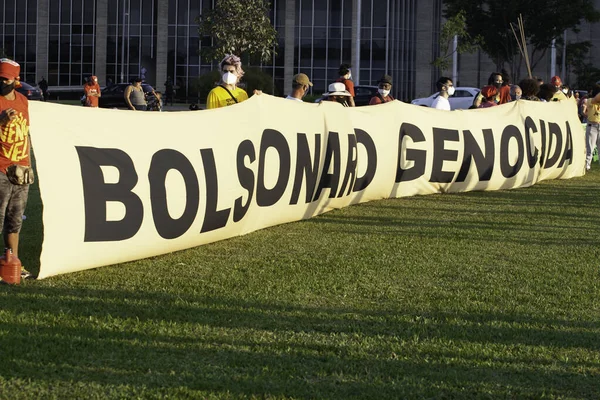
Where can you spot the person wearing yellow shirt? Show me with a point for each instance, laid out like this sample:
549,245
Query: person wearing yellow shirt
228,93
592,130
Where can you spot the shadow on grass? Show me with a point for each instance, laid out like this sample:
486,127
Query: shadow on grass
172,342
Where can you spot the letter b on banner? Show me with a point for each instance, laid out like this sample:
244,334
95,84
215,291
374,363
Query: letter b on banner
96,193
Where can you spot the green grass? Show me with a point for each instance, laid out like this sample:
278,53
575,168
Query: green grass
475,295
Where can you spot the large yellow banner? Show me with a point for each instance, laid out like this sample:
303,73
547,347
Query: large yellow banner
140,184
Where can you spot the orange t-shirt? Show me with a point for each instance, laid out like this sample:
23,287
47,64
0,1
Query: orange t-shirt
90,90
14,135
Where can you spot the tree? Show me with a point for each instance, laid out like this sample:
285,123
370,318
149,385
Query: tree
543,21
240,27
455,26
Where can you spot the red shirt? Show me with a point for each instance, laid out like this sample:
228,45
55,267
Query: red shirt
90,90
14,135
377,99
349,85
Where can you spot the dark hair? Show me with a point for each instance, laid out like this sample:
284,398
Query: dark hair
344,69
529,87
492,77
547,90
595,90
441,82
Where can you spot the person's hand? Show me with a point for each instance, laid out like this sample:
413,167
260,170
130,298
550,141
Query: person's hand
257,91
8,115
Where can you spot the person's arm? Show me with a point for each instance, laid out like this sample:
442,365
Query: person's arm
127,95
478,99
596,99
98,91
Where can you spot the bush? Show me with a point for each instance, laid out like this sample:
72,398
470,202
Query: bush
255,78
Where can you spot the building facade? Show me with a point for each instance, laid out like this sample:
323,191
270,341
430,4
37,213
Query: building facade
66,41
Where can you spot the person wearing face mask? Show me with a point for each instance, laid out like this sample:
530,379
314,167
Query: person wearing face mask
92,91
515,92
383,92
338,93
446,89
503,91
346,78
558,93
300,86
228,93
14,118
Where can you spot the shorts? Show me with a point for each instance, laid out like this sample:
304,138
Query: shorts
13,200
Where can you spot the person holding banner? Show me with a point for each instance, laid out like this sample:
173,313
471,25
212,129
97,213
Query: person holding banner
446,89
338,93
383,92
300,86
14,157
592,129
228,93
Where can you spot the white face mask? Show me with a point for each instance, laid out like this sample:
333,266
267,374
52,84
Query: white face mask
451,90
349,75
229,78
383,92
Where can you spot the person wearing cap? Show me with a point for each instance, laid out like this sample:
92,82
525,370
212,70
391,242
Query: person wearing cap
14,140
383,92
92,91
338,93
346,78
228,93
300,86
135,96
446,89
558,94
489,94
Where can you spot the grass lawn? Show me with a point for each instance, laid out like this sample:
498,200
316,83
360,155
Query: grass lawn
475,295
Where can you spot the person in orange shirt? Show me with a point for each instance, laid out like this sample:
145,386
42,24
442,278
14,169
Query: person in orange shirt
92,91
346,79
15,154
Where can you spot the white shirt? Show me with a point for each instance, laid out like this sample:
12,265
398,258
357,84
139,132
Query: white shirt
292,98
441,103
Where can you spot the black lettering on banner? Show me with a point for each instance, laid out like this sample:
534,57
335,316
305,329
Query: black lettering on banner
351,162
213,218
508,171
332,180
554,132
96,193
246,178
307,167
544,141
530,128
365,139
441,154
418,156
568,153
267,197
162,162
484,163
